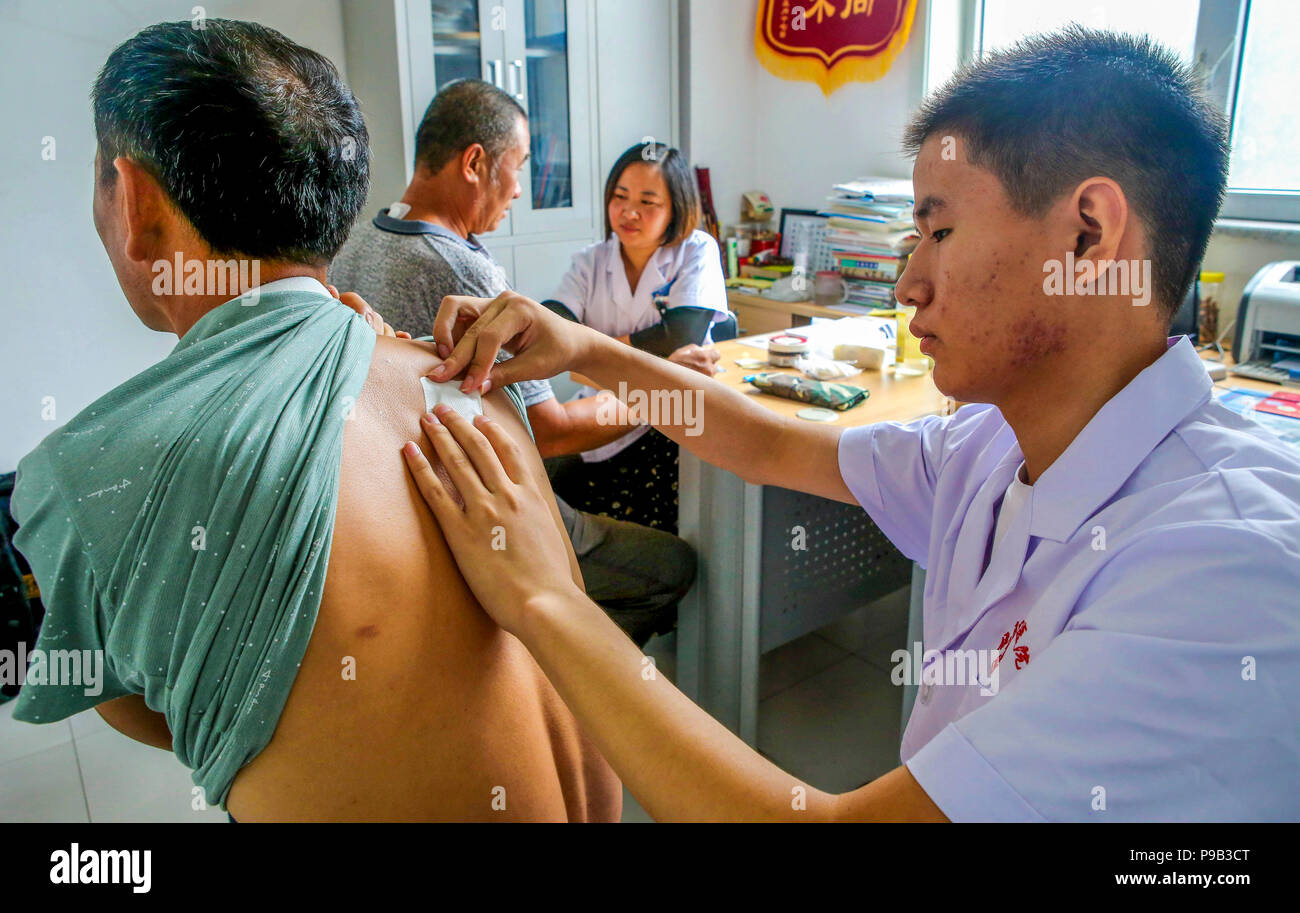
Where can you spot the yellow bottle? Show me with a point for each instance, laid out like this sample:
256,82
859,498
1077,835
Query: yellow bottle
911,361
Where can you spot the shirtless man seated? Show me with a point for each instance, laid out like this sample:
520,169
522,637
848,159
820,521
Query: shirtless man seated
334,665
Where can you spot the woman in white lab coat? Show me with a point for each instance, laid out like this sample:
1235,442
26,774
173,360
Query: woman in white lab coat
655,283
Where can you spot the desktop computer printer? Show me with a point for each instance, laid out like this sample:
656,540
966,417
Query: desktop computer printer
1267,342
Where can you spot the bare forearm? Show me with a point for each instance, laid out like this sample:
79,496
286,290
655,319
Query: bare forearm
679,762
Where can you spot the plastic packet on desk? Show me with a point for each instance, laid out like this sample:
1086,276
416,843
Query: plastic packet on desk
819,368
871,342
814,392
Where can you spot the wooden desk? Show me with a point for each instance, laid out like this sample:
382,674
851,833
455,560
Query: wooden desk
892,399
726,622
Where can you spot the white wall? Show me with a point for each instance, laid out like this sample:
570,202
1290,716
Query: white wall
375,66
68,331
756,131
720,112
634,57
853,133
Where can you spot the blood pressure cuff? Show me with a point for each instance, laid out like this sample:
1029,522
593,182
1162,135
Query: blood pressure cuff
557,308
681,326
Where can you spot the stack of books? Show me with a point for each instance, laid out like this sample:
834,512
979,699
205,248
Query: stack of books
870,233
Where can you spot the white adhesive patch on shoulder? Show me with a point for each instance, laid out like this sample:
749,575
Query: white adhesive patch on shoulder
467,405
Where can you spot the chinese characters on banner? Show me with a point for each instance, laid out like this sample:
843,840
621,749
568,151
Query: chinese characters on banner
831,42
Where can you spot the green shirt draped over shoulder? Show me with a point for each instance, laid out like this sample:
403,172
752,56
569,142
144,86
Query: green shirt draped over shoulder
179,527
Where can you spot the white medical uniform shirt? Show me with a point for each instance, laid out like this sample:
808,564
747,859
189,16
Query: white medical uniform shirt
1144,603
596,290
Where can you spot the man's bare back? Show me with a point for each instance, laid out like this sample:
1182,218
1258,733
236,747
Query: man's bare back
448,717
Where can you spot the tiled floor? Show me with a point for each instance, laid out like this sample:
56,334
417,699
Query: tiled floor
81,770
827,714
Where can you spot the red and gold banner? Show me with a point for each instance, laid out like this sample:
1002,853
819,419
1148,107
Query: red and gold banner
831,42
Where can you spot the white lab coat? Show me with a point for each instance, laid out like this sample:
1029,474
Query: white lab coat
596,290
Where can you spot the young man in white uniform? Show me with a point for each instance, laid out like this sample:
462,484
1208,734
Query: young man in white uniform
1126,549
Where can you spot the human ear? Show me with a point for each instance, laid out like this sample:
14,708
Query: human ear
146,210
1099,212
471,159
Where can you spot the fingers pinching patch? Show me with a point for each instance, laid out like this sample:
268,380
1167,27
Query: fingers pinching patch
467,405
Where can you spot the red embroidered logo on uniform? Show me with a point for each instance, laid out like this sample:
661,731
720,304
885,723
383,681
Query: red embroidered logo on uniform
1012,639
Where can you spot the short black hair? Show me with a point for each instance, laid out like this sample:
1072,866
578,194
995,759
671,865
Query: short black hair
683,195
1058,108
465,112
256,140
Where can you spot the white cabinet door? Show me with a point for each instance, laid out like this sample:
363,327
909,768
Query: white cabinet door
454,39
547,70
538,268
635,68
542,53
505,256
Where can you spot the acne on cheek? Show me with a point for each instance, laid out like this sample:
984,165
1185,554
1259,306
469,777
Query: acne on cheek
992,276
1039,335
1035,340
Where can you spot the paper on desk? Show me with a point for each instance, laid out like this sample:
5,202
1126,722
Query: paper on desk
760,342
1290,365
819,368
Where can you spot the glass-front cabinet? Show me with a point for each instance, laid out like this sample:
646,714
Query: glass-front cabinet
457,36
536,50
